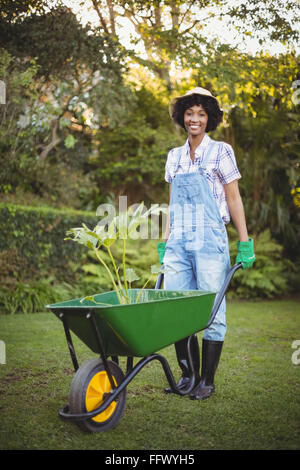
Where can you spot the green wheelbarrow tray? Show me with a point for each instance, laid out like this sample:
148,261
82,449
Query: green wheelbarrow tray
137,329
153,320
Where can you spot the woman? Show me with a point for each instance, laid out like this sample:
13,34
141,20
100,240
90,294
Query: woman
204,194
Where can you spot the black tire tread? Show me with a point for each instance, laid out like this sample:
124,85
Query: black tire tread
78,389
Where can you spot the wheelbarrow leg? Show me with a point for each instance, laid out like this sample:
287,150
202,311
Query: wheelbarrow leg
129,365
115,359
69,341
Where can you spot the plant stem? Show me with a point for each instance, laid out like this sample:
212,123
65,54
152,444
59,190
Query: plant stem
110,275
124,267
94,301
141,291
117,274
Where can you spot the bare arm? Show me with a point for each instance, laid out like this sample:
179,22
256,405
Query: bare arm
236,209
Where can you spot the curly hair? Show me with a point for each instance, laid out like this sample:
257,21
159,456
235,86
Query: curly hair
210,105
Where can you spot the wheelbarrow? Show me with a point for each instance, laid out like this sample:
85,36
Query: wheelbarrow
136,330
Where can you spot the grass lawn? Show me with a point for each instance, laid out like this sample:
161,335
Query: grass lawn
256,404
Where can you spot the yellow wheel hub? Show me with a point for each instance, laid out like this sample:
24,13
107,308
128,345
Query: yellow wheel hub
99,385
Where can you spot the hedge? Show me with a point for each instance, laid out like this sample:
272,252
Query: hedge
32,241
32,247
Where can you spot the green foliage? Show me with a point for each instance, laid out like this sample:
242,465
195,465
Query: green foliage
11,10
271,275
280,24
268,154
261,123
174,32
72,45
56,106
119,229
141,254
137,150
86,120
32,242
32,296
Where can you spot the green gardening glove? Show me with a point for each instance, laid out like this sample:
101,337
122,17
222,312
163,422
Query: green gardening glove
161,248
245,253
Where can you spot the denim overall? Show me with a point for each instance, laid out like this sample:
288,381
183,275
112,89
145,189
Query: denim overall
197,253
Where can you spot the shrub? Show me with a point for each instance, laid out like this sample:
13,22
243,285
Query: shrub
32,296
32,242
271,274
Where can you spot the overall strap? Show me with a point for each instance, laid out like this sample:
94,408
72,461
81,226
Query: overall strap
177,160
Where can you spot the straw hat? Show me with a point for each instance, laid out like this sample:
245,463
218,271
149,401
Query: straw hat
195,91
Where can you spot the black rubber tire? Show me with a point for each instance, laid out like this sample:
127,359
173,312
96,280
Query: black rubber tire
78,391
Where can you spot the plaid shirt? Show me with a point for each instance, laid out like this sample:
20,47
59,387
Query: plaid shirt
221,169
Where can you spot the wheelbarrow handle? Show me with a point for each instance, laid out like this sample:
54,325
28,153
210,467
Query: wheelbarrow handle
159,281
221,294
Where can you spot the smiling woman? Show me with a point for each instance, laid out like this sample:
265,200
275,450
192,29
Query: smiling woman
204,194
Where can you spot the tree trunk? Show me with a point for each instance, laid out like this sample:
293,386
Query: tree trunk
55,140
111,17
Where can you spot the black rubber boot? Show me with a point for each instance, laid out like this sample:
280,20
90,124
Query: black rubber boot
182,358
211,352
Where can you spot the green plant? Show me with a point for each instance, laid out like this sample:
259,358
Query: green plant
119,228
270,275
32,296
32,246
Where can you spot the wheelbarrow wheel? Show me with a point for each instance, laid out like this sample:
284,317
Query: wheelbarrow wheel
88,386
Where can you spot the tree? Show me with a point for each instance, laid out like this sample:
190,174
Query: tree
81,71
10,11
262,125
131,157
173,31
